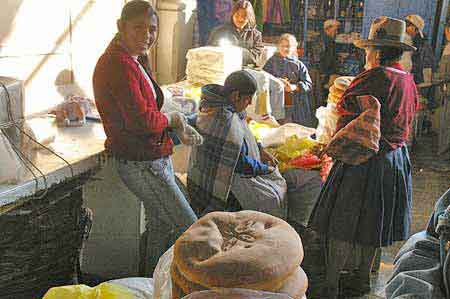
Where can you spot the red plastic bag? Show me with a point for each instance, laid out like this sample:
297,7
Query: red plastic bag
327,164
307,161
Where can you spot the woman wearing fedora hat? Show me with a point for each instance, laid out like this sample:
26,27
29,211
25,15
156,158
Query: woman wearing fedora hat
366,205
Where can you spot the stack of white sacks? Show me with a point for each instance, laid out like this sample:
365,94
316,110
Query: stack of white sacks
211,65
328,115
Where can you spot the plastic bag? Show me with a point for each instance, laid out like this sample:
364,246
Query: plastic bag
162,277
293,147
10,170
307,161
235,294
102,291
280,135
73,111
328,118
259,130
142,287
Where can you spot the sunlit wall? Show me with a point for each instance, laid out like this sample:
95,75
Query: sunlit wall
42,39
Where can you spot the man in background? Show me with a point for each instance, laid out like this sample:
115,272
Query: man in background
328,56
423,62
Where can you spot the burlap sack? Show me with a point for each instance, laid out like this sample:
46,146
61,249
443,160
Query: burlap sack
294,285
237,250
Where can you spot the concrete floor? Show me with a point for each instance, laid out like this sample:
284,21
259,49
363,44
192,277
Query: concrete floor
428,185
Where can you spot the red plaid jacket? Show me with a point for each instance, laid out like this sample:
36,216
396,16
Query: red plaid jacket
135,128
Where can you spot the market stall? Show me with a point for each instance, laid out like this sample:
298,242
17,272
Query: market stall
211,65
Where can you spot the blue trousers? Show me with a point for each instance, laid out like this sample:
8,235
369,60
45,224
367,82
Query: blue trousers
167,210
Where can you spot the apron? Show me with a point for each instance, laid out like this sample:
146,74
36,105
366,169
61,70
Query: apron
263,193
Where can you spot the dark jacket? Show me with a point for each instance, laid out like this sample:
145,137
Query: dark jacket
328,56
134,126
422,58
250,39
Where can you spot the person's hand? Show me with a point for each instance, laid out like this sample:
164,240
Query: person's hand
288,87
271,169
177,121
190,136
268,158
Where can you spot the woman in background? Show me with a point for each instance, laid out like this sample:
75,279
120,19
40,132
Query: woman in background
297,82
241,32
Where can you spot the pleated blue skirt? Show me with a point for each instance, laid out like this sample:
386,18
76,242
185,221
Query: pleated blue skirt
370,203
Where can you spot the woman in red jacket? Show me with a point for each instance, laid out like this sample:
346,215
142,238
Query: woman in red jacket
129,101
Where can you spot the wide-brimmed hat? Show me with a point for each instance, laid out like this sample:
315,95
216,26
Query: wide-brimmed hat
388,32
331,23
417,22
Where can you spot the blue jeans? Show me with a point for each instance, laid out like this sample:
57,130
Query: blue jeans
167,210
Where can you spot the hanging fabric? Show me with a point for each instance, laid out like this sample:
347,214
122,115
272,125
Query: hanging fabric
210,14
285,9
258,6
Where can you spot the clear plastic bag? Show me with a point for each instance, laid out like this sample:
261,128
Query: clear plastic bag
235,294
162,277
328,118
142,287
280,135
10,170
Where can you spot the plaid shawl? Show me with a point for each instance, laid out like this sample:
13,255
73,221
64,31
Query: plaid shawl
212,164
359,140
398,97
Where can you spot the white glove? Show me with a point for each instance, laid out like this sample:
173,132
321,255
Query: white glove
176,120
190,136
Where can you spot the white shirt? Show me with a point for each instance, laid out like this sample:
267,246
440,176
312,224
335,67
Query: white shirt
145,75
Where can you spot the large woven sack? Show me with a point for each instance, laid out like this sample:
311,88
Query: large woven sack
246,249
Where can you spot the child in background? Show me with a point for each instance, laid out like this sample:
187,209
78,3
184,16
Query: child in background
285,65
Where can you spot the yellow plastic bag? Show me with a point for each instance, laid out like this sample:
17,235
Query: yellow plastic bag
102,291
259,130
293,148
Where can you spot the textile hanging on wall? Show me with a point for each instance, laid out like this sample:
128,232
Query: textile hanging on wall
276,11
258,6
211,13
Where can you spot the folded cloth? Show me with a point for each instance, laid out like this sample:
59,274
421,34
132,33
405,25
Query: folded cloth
247,249
359,140
342,83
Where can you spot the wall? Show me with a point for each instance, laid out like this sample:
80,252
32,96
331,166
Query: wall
40,40
400,9
176,38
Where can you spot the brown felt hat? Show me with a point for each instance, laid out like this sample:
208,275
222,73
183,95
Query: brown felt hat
387,32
